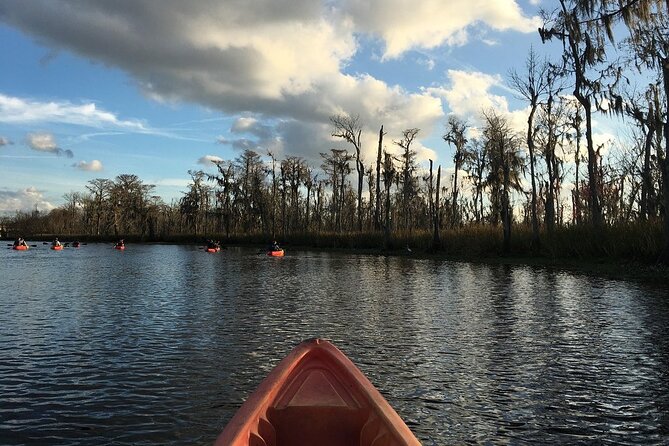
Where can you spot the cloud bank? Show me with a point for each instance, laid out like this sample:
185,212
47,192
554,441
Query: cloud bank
25,200
282,60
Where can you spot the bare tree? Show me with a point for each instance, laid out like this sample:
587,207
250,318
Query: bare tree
455,134
407,179
377,208
349,129
531,86
336,166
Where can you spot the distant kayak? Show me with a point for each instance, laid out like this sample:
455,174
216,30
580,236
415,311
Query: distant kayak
316,396
20,247
75,244
119,247
217,249
57,247
278,253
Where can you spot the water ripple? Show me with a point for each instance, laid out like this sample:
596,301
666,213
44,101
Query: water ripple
159,345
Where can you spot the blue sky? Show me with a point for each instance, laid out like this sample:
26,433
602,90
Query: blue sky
96,89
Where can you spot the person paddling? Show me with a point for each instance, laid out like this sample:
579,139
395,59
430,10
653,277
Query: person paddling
120,244
275,246
56,242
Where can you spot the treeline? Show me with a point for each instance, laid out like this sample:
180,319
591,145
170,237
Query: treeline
537,185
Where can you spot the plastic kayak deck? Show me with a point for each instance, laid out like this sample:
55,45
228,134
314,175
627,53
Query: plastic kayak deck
316,396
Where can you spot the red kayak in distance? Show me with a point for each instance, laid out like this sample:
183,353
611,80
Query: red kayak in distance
119,247
278,253
212,249
316,396
20,247
57,247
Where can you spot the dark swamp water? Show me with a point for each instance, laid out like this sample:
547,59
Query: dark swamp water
160,345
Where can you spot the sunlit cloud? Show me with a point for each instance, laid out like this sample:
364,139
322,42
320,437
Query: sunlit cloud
14,110
45,142
209,160
93,166
27,199
412,24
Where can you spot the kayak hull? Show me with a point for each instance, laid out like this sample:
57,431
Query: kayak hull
119,247
275,253
20,248
57,248
212,250
316,396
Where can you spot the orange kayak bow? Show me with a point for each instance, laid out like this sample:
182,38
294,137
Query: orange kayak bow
316,396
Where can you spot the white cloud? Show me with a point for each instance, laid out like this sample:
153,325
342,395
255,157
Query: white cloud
409,24
93,166
42,142
45,142
252,126
209,160
14,110
469,93
171,182
27,199
4,141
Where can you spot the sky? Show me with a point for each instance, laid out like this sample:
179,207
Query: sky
93,89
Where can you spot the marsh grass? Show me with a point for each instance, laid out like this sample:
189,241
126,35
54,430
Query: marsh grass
635,242
639,242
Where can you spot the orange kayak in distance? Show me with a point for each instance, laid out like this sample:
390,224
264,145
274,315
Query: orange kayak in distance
316,396
119,247
20,248
57,248
275,253
212,249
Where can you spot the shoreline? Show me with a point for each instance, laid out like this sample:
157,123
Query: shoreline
608,268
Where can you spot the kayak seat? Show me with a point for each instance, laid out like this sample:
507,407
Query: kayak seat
318,407
318,426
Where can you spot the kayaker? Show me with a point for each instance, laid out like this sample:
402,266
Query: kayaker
55,242
120,243
211,244
275,246
19,242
